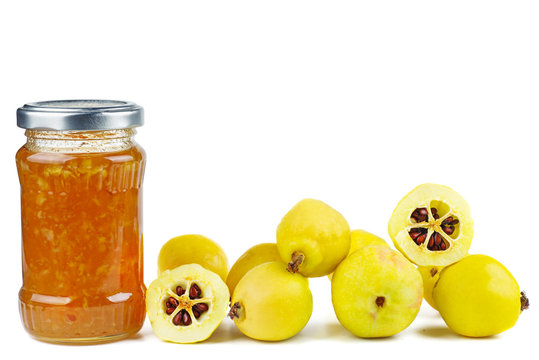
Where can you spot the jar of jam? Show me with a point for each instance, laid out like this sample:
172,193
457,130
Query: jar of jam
81,176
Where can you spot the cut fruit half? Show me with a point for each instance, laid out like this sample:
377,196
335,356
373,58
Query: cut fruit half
432,225
186,304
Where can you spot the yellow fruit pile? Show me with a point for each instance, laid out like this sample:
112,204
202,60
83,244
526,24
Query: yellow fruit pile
475,294
376,291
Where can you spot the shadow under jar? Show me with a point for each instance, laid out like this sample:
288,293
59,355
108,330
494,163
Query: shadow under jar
81,176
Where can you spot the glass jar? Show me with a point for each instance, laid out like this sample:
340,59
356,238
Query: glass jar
81,176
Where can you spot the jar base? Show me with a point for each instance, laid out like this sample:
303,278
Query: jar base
70,323
84,341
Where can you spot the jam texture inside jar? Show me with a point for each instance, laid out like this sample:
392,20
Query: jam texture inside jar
81,207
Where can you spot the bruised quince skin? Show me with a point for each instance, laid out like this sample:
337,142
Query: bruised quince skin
193,249
256,255
376,292
313,238
211,291
270,303
478,297
441,235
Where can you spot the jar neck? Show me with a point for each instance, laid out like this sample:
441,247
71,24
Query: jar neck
80,141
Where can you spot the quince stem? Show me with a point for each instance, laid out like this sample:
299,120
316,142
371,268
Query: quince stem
524,301
295,263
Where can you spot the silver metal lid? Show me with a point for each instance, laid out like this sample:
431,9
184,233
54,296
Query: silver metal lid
80,115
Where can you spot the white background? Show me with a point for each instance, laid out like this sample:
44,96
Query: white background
254,105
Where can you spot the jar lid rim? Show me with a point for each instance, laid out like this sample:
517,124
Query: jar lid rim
86,115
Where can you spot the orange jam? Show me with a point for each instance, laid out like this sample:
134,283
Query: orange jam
82,242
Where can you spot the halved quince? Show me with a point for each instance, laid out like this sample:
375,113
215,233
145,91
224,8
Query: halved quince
432,225
186,304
